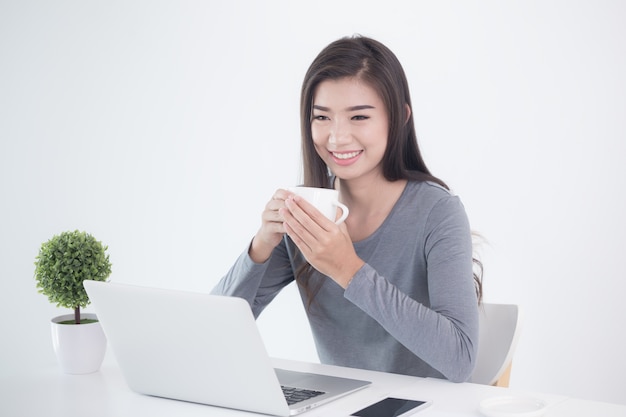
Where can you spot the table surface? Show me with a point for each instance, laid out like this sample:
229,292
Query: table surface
49,392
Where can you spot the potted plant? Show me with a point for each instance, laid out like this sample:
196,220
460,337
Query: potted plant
61,266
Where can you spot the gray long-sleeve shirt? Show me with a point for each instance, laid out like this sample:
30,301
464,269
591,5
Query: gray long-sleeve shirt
411,309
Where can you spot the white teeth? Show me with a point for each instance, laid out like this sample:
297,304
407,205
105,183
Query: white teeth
346,155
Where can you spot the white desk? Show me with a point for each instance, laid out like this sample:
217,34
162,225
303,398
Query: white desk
105,393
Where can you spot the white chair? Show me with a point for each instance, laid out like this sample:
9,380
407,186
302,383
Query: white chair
499,332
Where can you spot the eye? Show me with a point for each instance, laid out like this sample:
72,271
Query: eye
360,117
319,117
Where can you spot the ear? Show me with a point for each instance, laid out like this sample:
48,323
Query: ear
408,113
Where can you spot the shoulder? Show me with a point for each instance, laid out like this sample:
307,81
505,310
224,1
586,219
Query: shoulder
433,201
427,192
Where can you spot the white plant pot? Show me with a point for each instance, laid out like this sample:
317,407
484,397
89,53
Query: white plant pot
79,348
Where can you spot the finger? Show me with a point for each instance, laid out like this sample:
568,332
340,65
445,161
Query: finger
273,206
309,216
299,242
276,227
281,194
302,229
272,216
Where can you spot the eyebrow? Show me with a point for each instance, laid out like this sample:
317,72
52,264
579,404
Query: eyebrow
352,108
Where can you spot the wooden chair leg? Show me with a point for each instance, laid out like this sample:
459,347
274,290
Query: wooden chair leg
504,379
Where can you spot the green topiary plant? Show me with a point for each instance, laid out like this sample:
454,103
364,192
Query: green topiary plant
64,262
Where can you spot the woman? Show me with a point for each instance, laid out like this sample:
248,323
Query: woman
392,288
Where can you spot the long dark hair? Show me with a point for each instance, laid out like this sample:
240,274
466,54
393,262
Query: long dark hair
373,63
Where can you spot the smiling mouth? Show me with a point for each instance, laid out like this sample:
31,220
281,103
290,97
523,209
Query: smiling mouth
346,155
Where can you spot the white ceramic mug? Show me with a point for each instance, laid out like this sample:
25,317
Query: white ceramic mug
325,200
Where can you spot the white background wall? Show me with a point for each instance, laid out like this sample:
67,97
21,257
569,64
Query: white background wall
162,127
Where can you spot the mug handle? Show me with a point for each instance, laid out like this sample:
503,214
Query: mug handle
344,212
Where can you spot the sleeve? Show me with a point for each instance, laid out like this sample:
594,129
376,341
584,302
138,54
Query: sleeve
444,334
257,283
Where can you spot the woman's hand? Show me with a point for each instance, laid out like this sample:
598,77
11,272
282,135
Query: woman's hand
325,245
272,229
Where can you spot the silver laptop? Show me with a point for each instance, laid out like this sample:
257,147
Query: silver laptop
202,348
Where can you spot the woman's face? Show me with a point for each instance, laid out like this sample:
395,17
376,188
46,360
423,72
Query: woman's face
349,128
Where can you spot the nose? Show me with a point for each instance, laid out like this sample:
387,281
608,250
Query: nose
339,132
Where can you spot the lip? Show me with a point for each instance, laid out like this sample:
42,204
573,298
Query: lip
346,157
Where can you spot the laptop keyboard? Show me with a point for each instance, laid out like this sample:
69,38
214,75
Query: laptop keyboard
295,395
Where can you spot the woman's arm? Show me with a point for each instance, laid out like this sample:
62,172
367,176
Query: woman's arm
257,283
444,334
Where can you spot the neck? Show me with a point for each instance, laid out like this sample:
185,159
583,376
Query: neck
371,195
370,203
